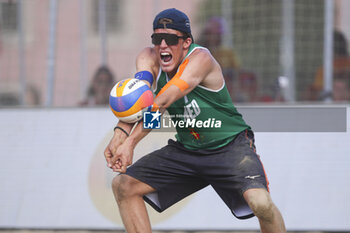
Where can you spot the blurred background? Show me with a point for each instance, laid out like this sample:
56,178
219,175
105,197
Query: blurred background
59,60
62,53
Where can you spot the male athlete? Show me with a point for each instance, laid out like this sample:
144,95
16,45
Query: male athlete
188,82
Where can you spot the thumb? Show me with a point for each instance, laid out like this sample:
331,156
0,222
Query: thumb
108,156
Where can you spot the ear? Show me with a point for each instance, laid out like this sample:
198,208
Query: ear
187,43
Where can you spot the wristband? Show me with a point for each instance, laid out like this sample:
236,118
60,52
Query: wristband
117,127
145,75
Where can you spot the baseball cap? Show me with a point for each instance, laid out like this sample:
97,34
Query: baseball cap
174,19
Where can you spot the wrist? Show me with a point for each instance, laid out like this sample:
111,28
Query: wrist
122,130
145,75
131,141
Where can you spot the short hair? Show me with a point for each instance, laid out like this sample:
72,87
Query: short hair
340,45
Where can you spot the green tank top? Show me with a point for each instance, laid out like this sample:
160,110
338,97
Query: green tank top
204,118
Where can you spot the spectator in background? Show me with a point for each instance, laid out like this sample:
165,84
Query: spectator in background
341,69
12,96
32,96
247,90
100,87
341,87
211,38
9,99
241,84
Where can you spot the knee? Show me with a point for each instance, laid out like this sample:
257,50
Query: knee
261,204
263,210
122,187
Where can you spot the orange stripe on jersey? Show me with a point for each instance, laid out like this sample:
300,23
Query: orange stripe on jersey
181,68
181,84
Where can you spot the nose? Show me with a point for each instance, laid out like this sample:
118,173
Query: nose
163,43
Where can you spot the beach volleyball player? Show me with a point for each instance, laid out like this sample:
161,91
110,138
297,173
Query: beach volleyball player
187,79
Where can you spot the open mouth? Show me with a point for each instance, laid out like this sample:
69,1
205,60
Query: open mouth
166,57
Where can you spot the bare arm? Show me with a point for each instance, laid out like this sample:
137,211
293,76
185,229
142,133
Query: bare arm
201,69
117,139
146,60
198,69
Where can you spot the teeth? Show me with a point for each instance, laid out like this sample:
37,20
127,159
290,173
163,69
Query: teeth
164,54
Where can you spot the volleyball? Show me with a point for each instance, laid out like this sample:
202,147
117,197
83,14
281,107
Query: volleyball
129,98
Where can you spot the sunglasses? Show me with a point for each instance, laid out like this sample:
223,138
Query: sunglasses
170,39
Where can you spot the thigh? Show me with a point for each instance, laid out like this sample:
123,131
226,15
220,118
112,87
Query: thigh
237,169
170,171
237,166
127,185
257,197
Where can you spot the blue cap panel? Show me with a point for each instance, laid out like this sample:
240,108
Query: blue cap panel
173,19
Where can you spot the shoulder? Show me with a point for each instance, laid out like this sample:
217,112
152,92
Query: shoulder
202,56
148,54
147,60
209,69
199,51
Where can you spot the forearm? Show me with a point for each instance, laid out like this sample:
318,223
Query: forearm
137,134
125,126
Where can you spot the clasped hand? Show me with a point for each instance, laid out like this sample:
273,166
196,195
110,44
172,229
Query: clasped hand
119,152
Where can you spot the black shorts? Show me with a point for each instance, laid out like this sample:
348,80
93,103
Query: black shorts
176,172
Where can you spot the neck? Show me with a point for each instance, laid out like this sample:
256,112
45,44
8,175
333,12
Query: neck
172,73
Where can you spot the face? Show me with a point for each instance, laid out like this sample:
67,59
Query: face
102,85
340,91
170,56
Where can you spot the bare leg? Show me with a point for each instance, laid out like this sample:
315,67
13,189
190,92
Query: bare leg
129,193
270,218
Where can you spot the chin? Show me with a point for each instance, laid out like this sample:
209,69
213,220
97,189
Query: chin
168,68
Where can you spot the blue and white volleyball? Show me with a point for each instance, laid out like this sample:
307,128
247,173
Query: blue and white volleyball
129,98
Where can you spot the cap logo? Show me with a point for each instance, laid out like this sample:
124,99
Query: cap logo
165,21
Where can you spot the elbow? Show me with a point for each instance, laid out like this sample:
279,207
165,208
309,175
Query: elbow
164,103
162,106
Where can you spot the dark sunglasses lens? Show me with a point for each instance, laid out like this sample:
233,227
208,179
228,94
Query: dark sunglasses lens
156,39
170,39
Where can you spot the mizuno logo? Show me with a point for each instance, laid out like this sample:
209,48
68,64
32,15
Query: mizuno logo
252,177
